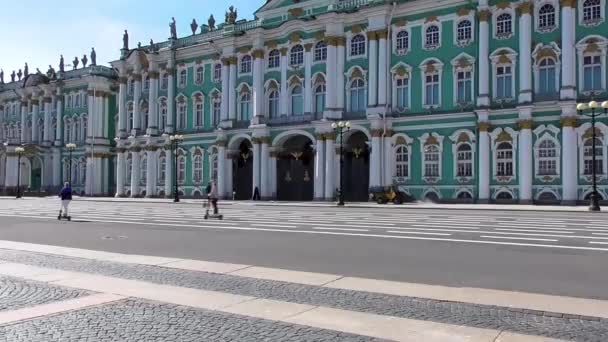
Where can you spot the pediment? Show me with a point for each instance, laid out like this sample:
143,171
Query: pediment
296,8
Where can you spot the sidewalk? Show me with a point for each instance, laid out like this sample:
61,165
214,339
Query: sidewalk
417,205
101,286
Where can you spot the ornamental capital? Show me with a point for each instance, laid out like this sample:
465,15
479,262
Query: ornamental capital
570,121
153,75
265,140
330,136
308,47
389,133
371,35
569,3
525,124
122,80
259,53
484,15
47,100
483,126
34,102
221,143
283,51
382,34
320,136
121,150
376,133
525,8
135,148
151,148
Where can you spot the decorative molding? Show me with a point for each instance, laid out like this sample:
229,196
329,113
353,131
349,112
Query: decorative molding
525,8
525,124
484,126
569,122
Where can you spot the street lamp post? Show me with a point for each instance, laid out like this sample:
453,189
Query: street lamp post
175,140
71,147
19,150
581,108
340,127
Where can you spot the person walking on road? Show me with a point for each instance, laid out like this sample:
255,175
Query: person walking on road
213,197
66,197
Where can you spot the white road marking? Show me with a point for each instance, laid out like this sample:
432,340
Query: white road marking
534,230
517,238
598,243
342,229
417,233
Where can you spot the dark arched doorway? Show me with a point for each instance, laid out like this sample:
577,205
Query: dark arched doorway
356,168
242,171
295,170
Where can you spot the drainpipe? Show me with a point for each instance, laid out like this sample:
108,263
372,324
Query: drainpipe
388,86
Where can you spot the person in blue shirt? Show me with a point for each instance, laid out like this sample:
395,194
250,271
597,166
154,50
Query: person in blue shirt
66,197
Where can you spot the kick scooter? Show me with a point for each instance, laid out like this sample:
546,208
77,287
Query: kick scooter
208,215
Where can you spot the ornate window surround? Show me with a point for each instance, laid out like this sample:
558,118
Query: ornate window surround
581,22
504,57
431,65
541,51
401,139
497,11
241,90
557,14
580,132
349,37
353,73
179,77
591,44
198,152
495,137
401,70
463,62
424,27
313,51
240,65
197,97
394,32
459,137
270,86
196,69
435,139
542,133
471,18
294,82
276,53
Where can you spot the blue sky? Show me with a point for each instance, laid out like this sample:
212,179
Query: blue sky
38,31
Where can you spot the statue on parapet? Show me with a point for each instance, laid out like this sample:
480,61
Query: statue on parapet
61,64
173,27
93,57
231,15
13,76
193,26
38,72
125,40
211,23
139,45
152,46
19,74
1,76
51,74
26,70
84,61
75,62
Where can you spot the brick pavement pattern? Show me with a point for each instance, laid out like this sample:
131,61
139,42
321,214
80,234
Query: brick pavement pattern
18,293
546,324
135,320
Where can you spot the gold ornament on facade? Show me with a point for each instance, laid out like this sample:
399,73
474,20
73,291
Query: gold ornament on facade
371,35
569,3
484,15
389,133
356,29
430,67
463,62
401,71
320,136
259,53
330,136
243,50
308,47
570,122
295,37
504,137
525,124
296,12
295,81
430,19
525,8
255,141
400,141
463,137
504,59
546,52
272,85
221,143
401,23
265,140
340,41
376,133
463,12
320,35
272,44
357,151
216,56
503,5
34,102
296,155
382,34
153,75
284,51
357,73
589,133
431,140
592,47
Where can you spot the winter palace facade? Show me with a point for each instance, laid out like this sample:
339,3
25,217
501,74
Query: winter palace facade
448,100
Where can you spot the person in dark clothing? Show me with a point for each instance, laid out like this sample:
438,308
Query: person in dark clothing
66,198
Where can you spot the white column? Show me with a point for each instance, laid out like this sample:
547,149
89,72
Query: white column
92,108
151,174
225,86
35,113
152,128
273,175
341,53
228,182
375,158
264,169
332,74
232,91
120,172
57,167
525,53
171,101
382,68
100,116
568,41
372,84
135,171
169,164
11,170
106,115
525,161
483,80
221,170
136,98
320,168
569,156
258,85
256,166
330,166
308,78
59,132
23,120
283,99
484,162
121,130
47,120
389,159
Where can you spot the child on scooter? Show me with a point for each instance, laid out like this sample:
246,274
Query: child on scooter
66,197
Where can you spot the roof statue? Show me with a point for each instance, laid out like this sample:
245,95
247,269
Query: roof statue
173,27
125,40
1,76
211,23
61,64
93,57
38,72
84,61
231,15
194,26
75,62
19,74
51,73
26,70
13,76
139,45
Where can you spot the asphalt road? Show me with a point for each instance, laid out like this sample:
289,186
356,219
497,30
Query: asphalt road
552,253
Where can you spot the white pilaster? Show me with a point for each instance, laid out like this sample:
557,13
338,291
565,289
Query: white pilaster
221,171
225,86
264,170
169,165
35,113
484,163
525,155
59,132
308,78
284,95
330,167
375,159
569,155
256,167
258,85
100,117
229,187
372,84
171,102
121,130
57,181
47,121
232,91
23,121
151,174
273,175
483,99
136,112
525,53
152,128
341,56
120,173
11,170
135,171
389,160
382,68
331,93
320,169
568,37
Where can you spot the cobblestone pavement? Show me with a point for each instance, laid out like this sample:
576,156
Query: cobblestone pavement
135,320
499,318
18,293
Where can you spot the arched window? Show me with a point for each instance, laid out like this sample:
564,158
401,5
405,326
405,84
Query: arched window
246,64
588,157
67,131
198,112
546,76
82,172
199,75
357,96
320,51
504,159
592,71
217,72
146,83
464,86
504,195
143,170
144,116
504,81
357,45
431,85
217,109
162,112
181,114
431,40
403,92
181,169
402,160
164,82
297,102
77,101
131,89
431,161
198,169
403,42
320,91
162,169
464,195
504,25
464,31
274,59
245,106
214,167
84,128
592,11
547,158
464,160
273,104
546,17
296,56
183,78
76,127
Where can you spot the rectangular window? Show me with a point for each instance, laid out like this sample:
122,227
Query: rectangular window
181,109
217,110
199,114
432,90
592,73
504,82
403,93
464,84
